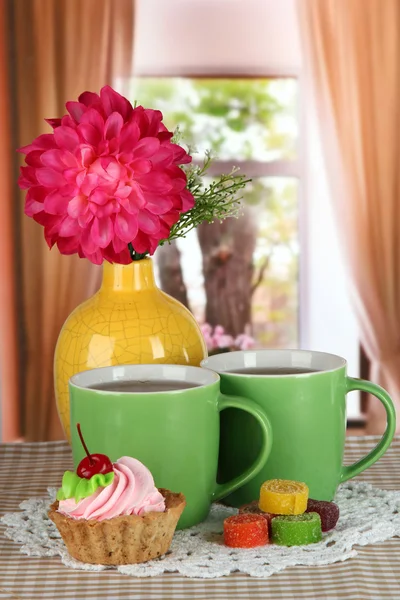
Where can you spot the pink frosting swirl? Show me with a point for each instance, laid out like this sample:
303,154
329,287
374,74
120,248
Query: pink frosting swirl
132,492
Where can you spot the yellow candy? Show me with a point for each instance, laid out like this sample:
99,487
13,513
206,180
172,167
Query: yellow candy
283,497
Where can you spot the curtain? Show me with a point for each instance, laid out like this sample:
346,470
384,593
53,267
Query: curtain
8,324
59,49
352,57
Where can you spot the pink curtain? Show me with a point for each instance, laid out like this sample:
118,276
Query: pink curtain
59,48
10,418
352,58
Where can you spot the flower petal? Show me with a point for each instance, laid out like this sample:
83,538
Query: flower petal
53,122
77,206
45,141
130,134
66,137
68,121
135,200
178,178
154,118
187,200
157,204
76,110
96,258
52,159
89,133
114,102
68,245
126,226
148,223
27,177
111,255
113,169
113,126
102,231
164,230
99,197
140,166
89,98
85,219
89,183
98,168
103,211
88,155
51,228
94,118
156,182
68,227
32,205
170,217
123,191
146,147
144,243
34,158
87,242
50,178
165,137
56,204
181,157
118,244
163,158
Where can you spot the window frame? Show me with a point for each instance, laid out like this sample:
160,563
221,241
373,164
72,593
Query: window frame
293,168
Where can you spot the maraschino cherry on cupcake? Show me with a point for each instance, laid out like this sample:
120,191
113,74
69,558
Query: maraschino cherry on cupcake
112,513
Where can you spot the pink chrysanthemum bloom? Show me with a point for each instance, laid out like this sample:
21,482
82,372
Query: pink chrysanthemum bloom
106,177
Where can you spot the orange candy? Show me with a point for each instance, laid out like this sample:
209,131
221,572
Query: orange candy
253,509
245,531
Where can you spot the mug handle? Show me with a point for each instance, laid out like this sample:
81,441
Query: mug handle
367,386
227,401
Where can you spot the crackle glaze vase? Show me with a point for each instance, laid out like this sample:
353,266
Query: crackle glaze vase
128,321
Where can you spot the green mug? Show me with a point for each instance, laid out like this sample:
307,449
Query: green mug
173,429
304,395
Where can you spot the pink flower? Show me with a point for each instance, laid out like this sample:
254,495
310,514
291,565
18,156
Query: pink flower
222,340
219,330
217,338
107,176
206,330
244,342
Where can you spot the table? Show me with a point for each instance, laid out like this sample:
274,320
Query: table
26,470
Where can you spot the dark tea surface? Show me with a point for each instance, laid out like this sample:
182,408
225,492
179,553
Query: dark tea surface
272,371
139,387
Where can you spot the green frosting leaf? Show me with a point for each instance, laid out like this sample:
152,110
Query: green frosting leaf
77,487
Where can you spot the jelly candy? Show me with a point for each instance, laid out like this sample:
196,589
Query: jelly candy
328,511
245,531
296,530
254,509
283,497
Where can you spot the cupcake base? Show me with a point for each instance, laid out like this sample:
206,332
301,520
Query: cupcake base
121,540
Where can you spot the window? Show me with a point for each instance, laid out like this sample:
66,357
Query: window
242,274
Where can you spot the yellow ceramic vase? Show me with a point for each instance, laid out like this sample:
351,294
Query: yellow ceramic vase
128,321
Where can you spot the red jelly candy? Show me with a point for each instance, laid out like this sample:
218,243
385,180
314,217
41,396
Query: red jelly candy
245,531
253,509
328,511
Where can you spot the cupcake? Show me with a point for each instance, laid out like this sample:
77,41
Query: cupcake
112,513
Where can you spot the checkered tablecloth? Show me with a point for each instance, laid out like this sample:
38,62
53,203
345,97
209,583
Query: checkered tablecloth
26,470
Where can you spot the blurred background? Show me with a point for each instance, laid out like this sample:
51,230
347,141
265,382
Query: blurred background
302,96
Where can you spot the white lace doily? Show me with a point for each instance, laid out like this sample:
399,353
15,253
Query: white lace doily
367,515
